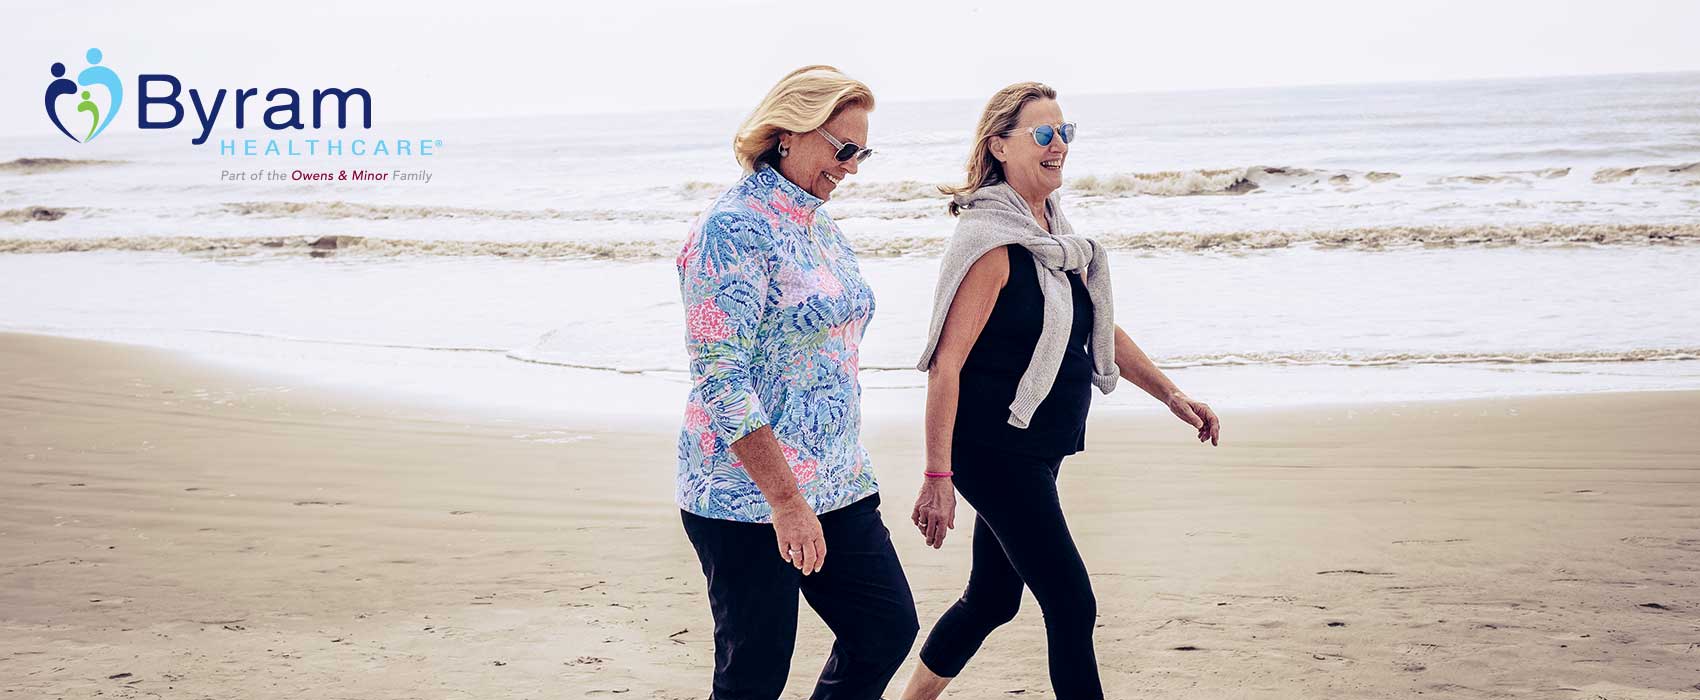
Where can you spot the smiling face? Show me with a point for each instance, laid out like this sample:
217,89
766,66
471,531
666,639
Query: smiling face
812,163
1034,171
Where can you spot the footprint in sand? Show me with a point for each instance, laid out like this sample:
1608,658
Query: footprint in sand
1416,648
1687,544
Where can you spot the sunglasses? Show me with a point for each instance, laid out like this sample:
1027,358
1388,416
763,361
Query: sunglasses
1043,133
847,149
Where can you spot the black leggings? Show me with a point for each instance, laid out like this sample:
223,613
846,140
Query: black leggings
1020,537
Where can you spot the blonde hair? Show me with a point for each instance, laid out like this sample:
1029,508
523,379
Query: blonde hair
799,103
1000,117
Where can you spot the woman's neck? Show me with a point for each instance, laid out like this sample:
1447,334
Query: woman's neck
1037,207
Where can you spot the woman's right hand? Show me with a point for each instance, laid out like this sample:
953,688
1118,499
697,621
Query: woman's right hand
935,510
801,542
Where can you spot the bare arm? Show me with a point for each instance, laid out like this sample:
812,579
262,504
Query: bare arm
968,313
935,510
794,521
759,451
1136,367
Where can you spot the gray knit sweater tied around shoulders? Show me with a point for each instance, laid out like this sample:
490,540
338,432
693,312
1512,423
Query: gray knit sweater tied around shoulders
996,216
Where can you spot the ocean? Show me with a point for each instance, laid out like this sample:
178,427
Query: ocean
1270,247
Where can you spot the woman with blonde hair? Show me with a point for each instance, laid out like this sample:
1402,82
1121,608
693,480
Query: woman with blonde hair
771,466
1022,330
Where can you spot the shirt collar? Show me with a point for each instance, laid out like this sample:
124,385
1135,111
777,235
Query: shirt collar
768,177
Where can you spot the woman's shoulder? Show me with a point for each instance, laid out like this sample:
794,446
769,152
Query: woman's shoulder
993,264
734,216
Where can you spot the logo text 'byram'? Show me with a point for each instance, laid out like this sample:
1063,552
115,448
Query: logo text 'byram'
160,91
278,116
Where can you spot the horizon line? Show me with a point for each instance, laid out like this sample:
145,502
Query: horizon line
1089,93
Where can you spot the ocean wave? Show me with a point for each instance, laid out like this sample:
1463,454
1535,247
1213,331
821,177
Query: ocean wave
894,200
856,190
1369,238
1685,171
1336,359
36,166
900,191
1168,183
1207,182
1262,178
347,246
1172,183
1374,238
1502,178
696,189
26,214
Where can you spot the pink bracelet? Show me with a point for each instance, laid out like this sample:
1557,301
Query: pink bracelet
938,475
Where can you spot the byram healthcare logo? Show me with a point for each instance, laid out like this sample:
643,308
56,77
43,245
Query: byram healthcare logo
81,109
109,91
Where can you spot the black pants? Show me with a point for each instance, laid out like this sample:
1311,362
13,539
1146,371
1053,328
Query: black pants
860,593
1019,538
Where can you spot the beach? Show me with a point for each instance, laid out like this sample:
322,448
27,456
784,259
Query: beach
415,437
175,528
345,349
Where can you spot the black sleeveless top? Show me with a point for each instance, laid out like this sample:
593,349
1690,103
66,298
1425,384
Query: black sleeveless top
1001,355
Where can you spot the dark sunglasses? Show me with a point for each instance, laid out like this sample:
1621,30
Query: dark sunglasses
847,149
1043,133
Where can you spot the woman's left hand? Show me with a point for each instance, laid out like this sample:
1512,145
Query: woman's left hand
1198,415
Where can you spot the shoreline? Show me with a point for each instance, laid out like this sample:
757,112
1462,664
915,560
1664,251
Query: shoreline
480,383
215,532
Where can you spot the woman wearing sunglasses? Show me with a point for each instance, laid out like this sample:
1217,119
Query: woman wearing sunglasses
1022,330
772,472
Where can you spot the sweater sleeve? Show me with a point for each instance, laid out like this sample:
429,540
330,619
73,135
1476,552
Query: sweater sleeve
723,280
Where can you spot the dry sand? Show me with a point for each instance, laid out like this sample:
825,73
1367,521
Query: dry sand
176,531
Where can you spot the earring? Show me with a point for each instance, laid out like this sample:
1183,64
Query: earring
783,150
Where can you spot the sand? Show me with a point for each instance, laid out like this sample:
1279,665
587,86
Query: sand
173,530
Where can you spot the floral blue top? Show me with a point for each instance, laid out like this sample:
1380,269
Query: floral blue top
775,307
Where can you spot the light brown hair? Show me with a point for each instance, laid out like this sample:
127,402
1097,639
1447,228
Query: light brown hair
999,118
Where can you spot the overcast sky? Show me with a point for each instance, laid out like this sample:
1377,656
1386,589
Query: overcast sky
425,59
